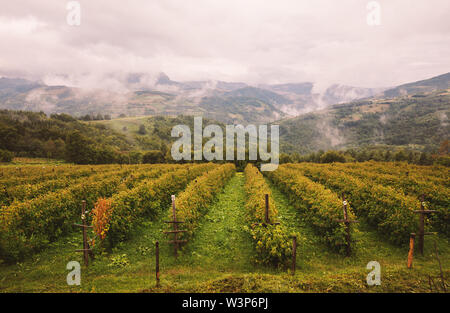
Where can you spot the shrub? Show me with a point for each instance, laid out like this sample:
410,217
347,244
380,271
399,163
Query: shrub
270,241
332,156
154,156
100,217
193,203
30,225
383,207
320,206
146,199
6,156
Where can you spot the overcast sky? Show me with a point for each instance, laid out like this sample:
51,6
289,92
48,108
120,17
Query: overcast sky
254,41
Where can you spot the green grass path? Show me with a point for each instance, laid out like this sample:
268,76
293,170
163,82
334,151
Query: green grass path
220,242
308,245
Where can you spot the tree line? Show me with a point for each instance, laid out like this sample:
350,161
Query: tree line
61,136
441,157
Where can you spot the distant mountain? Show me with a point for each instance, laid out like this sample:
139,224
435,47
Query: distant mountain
228,102
436,83
299,88
303,99
17,94
11,87
163,79
258,93
336,94
233,110
227,86
416,121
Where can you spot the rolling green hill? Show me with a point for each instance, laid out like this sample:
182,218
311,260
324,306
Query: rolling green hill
243,105
149,132
415,121
435,83
59,136
226,102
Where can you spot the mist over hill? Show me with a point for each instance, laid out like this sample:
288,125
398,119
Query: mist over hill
418,122
413,115
140,94
435,83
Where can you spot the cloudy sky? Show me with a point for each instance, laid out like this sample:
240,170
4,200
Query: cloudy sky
254,41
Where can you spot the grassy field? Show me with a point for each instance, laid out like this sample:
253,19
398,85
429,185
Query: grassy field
157,129
219,258
31,162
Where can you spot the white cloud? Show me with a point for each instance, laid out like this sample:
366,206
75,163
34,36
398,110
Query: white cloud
271,41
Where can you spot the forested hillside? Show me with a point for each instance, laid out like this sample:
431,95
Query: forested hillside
416,121
59,136
435,83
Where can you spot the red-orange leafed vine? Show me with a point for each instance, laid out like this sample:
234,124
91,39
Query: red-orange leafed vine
101,216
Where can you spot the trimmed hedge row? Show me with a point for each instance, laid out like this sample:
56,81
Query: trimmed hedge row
22,175
193,203
320,206
146,200
437,195
384,208
18,193
30,225
272,242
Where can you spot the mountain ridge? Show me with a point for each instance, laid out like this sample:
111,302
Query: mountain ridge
228,102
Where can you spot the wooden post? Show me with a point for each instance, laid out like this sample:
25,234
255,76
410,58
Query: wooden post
344,207
175,230
421,232
294,253
157,262
175,227
347,223
421,226
266,215
411,250
85,243
87,251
